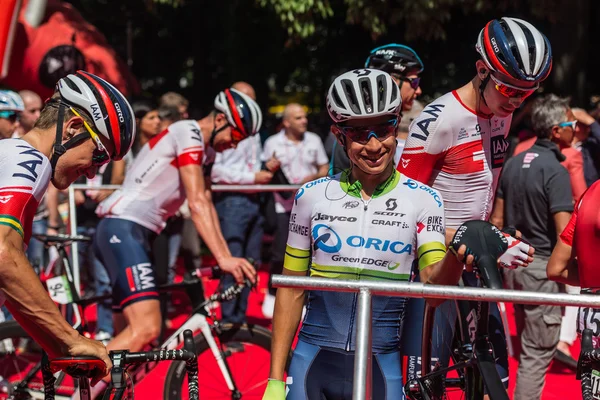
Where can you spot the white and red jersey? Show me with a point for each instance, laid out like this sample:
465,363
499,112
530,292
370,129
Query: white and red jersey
24,176
458,152
153,190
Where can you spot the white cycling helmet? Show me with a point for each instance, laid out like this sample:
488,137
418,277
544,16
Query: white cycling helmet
363,93
241,111
11,101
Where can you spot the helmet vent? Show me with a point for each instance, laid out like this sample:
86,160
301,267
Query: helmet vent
365,91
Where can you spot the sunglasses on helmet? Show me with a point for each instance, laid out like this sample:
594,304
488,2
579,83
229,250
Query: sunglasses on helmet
362,134
572,124
511,91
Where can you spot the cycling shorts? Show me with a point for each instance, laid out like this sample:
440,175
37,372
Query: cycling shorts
326,373
443,334
124,248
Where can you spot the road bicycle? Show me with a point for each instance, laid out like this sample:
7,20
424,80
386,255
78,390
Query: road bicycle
588,367
236,356
474,369
83,368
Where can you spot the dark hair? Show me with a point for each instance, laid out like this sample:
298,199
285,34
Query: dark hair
142,107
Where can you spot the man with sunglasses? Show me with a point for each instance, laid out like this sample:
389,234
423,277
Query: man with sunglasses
169,169
85,124
11,106
457,145
366,223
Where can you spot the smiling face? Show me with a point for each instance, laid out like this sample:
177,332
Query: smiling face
375,155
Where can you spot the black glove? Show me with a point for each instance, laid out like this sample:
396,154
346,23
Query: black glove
485,243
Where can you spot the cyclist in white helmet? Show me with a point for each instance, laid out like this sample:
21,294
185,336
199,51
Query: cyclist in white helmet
366,223
11,106
86,123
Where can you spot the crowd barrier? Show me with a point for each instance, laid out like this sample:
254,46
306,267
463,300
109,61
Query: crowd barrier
362,389
215,188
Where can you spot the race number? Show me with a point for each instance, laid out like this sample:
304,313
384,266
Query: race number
59,290
589,318
596,384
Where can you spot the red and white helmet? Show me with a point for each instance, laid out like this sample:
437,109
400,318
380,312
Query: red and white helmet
105,105
241,111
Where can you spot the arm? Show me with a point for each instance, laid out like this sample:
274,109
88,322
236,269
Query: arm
578,185
54,221
497,217
118,172
561,219
562,266
203,216
286,318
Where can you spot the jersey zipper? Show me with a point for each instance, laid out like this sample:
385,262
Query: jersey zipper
362,223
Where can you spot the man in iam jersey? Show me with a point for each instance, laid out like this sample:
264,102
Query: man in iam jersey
366,223
457,146
574,260
85,124
168,170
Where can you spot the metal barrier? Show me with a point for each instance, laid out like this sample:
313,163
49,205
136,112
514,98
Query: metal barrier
363,354
214,188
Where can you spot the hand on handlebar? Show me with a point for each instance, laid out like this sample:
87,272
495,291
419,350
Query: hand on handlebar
239,268
92,348
519,253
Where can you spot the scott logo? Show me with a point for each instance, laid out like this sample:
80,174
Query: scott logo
391,204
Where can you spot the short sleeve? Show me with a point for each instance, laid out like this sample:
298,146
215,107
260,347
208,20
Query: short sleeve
557,188
431,228
189,146
297,251
321,154
568,233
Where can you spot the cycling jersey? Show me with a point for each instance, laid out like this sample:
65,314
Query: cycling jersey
153,190
26,173
583,234
334,233
459,153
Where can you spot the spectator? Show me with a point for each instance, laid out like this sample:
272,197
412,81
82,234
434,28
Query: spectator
403,125
239,212
172,99
168,115
573,160
301,157
532,198
31,112
148,124
587,140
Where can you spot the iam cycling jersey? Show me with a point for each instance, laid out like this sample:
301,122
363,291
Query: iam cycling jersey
459,153
26,173
334,233
153,190
583,234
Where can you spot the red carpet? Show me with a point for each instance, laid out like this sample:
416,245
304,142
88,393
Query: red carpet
560,382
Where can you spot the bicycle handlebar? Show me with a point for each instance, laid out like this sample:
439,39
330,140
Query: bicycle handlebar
121,360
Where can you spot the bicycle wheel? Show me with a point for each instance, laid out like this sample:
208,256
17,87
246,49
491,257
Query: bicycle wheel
20,359
246,350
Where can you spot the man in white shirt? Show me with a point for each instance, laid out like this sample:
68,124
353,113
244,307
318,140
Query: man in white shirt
302,159
239,213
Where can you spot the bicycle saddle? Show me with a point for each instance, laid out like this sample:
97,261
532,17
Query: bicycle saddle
78,367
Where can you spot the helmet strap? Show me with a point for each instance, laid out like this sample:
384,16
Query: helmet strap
58,149
216,131
482,86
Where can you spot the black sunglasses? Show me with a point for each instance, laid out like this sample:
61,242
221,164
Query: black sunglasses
414,82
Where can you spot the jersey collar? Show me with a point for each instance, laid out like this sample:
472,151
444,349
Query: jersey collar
353,189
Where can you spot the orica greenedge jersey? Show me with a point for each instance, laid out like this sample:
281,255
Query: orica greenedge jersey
334,233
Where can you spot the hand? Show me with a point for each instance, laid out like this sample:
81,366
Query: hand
238,267
519,253
582,116
262,177
79,198
51,232
467,261
275,390
91,348
273,164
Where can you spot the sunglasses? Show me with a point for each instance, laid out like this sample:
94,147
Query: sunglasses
100,155
413,82
511,91
572,124
11,116
362,135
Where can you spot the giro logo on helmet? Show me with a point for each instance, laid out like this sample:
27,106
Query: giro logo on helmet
119,112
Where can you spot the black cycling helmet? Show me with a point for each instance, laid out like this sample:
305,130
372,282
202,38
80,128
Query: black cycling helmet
396,58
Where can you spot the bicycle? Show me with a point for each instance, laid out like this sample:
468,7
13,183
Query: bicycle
588,367
472,352
82,368
231,347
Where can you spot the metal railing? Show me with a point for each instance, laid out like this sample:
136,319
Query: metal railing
363,354
214,188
